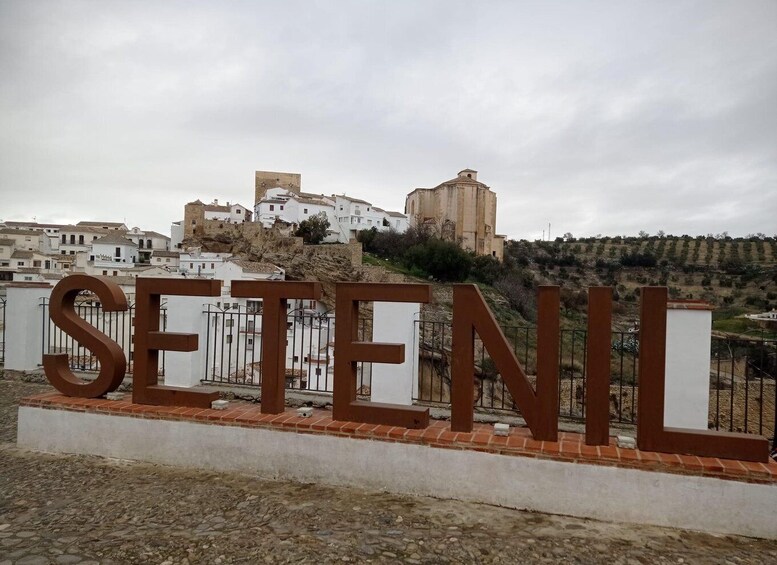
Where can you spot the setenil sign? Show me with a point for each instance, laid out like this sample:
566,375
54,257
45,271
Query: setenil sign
471,315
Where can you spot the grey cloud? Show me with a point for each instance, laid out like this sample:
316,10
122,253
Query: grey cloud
598,117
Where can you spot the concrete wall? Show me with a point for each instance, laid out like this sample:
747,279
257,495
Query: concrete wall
24,325
687,388
574,489
395,322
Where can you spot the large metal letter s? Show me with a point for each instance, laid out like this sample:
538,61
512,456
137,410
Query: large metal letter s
62,312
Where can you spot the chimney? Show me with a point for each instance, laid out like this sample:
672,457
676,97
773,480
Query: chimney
216,201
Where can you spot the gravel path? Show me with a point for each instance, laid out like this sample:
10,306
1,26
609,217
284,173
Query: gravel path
80,510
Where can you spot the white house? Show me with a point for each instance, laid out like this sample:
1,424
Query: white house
347,216
78,239
27,240
147,242
176,234
356,215
111,249
294,208
51,231
229,213
167,259
200,264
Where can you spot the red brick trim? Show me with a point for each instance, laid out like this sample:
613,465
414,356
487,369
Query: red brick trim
570,448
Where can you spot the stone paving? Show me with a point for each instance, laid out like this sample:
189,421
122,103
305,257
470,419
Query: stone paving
85,510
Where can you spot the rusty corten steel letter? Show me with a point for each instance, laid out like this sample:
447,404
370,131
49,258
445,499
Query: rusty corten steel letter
274,295
651,433
149,341
597,375
348,351
62,312
471,314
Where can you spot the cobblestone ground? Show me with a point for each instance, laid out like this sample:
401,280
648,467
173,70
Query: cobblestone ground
75,509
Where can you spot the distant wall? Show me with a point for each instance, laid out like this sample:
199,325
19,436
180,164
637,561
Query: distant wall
269,179
351,251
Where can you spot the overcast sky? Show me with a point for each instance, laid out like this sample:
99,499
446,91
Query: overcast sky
598,117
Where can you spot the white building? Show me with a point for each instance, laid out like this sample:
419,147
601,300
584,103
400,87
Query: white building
27,240
147,242
51,231
78,239
200,264
293,208
176,234
229,213
347,216
166,259
112,249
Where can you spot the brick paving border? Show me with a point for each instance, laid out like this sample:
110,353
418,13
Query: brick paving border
570,448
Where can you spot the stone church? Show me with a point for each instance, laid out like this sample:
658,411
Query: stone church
462,210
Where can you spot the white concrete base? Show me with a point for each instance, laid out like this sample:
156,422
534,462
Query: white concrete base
600,492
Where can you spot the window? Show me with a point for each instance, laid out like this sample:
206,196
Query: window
28,278
20,263
64,238
318,371
115,273
194,222
250,343
272,207
167,259
140,244
235,305
281,206
304,210
36,263
105,273
72,252
148,243
238,211
296,358
212,266
229,339
191,265
80,240
72,240
94,237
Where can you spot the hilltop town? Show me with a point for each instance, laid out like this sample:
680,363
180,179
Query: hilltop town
290,233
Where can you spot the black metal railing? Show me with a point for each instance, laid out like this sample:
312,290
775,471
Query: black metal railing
234,350
742,376
119,326
2,330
